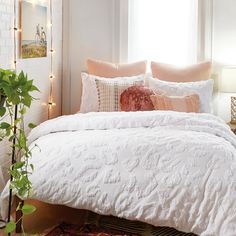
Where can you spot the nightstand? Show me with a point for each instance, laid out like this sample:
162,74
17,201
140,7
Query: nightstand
233,127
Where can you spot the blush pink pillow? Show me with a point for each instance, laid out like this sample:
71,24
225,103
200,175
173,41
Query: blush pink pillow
110,70
136,98
189,103
198,72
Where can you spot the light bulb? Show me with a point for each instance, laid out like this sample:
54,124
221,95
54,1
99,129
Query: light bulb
14,63
51,104
51,77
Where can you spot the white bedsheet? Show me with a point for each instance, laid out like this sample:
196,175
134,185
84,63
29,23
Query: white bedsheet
163,168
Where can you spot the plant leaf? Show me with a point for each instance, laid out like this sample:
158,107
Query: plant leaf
2,111
19,165
10,227
22,140
4,125
22,193
28,209
32,126
32,167
5,78
34,88
23,111
27,100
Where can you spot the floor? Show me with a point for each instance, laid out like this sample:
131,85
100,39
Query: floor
47,216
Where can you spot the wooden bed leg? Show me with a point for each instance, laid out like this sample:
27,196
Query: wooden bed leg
18,216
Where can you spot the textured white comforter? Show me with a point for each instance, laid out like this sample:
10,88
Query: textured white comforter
164,168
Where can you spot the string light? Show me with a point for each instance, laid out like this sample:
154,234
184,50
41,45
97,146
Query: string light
15,30
49,25
51,103
51,77
13,160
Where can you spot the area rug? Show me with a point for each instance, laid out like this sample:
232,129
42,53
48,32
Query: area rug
134,227
87,230
97,225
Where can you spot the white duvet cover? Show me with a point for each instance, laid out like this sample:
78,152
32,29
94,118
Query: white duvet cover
163,168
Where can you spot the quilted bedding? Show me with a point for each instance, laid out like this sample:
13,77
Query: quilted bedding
163,168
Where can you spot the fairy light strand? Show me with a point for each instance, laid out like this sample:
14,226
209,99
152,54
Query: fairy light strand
15,37
51,103
51,76
13,158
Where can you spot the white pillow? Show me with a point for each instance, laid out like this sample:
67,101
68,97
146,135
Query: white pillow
91,84
203,88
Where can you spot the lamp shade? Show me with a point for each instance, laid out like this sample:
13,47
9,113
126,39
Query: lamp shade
228,80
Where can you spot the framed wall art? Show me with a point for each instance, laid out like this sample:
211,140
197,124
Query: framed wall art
34,30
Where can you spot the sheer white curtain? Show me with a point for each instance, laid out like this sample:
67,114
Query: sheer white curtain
163,30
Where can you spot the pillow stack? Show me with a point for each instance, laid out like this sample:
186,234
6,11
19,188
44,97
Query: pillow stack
184,82
203,89
105,82
113,87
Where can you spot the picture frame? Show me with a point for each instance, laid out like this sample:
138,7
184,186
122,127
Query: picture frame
34,35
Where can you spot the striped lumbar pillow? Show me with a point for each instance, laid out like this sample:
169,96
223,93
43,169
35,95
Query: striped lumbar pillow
189,103
110,90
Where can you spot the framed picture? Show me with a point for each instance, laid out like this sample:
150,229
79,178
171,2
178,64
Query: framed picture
34,30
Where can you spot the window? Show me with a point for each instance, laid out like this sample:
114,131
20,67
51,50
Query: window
163,30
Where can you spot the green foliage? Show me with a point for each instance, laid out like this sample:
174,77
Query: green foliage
28,209
2,111
5,125
10,227
16,90
31,125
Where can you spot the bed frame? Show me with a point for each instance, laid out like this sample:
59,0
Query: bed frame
81,217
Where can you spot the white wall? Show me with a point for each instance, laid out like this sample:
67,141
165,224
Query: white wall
224,32
37,69
90,34
224,46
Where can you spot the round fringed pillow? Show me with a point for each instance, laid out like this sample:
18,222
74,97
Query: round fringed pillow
136,98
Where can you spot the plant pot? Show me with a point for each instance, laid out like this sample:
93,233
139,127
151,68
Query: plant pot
2,100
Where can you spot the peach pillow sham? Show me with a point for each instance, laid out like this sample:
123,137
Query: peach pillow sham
189,103
112,70
198,72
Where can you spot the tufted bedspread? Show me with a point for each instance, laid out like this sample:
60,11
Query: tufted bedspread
163,168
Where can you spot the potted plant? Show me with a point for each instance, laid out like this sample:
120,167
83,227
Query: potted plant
15,97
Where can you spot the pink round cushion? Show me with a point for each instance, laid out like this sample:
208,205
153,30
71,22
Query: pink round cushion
137,98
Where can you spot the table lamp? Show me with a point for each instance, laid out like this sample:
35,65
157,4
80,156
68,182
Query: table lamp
228,85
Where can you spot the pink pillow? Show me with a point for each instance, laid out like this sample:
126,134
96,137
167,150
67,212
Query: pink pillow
192,73
136,98
189,103
110,70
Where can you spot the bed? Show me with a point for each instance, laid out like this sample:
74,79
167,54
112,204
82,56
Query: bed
163,168
166,161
